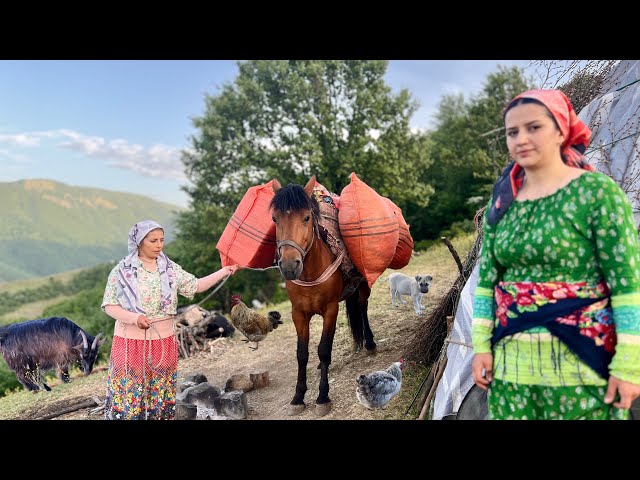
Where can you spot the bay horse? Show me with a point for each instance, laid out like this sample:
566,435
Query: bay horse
315,285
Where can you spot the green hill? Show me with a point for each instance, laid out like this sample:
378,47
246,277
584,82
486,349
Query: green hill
48,227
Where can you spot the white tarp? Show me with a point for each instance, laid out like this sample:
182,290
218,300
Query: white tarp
614,120
457,379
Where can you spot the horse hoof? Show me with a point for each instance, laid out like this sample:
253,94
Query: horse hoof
372,351
322,409
295,409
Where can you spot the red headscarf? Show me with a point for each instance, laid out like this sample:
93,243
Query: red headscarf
576,139
576,134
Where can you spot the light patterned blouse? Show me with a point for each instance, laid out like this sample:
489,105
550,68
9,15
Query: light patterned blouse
149,292
583,232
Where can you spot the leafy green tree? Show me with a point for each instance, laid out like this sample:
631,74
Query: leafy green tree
290,120
293,119
468,153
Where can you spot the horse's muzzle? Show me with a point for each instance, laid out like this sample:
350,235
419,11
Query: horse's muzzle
291,269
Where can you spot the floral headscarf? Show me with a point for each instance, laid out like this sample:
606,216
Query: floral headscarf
127,284
576,139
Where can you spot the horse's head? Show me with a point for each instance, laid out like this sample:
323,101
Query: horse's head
295,214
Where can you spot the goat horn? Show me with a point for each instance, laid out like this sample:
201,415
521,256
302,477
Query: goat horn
95,341
85,343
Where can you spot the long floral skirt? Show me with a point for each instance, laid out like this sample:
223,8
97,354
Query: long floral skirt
512,401
142,377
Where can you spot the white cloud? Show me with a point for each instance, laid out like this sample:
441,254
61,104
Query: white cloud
158,161
21,139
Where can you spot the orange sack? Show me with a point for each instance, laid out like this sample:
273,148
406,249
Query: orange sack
249,239
368,227
404,248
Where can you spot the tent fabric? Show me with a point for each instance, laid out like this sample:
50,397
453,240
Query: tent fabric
612,117
457,379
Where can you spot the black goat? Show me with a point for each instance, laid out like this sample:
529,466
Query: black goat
33,347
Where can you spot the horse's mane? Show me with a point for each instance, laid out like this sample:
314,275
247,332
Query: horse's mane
293,198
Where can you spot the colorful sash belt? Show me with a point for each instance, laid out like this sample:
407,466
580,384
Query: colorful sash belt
576,313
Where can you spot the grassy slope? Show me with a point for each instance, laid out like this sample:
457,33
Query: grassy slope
18,285
53,227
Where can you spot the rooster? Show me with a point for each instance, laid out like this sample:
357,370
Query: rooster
376,389
252,324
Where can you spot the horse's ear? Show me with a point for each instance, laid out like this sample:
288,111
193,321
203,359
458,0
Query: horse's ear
276,186
309,186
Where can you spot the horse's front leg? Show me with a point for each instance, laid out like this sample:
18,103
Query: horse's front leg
323,402
301,321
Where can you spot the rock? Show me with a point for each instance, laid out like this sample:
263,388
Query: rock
259,380
202,395
191,381
196,378
186,411
239,382
232,404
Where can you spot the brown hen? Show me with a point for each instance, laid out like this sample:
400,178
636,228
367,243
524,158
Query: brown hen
252,324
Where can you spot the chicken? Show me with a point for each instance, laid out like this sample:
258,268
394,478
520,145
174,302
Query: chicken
376,389
252,324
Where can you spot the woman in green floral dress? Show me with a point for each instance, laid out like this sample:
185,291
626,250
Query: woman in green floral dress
556,324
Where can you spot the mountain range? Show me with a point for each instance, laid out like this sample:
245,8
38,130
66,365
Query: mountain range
48,227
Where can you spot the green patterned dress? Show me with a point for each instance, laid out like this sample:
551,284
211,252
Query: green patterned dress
583,232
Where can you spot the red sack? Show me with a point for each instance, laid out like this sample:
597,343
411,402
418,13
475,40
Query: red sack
368,227
249,238
405,241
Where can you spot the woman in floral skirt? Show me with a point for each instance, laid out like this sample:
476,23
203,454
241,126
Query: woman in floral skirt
142,296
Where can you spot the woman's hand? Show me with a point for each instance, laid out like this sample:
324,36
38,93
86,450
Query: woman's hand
628,392
142,322
231,269
482,368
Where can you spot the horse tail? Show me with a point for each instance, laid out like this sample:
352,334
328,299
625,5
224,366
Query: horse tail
356,319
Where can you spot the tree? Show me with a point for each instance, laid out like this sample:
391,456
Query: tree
468,152
293,119
580,80
290,120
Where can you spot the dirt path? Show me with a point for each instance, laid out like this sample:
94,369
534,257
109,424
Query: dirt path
392,328
277,355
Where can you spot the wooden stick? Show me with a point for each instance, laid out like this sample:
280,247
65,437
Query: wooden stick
456,257
87,404
424,388
185,354
442,364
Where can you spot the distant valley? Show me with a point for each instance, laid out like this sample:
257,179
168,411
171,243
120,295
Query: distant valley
48,227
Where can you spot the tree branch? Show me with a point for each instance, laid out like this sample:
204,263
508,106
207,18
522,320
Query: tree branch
456,257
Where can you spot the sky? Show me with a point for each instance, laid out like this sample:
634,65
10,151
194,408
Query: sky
120,125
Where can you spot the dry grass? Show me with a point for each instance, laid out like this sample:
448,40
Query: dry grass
30,310
425,347
392,327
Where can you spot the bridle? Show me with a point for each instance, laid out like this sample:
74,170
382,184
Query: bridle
329,270
291,243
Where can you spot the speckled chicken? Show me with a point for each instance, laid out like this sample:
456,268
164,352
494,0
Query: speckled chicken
252,324
376,389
